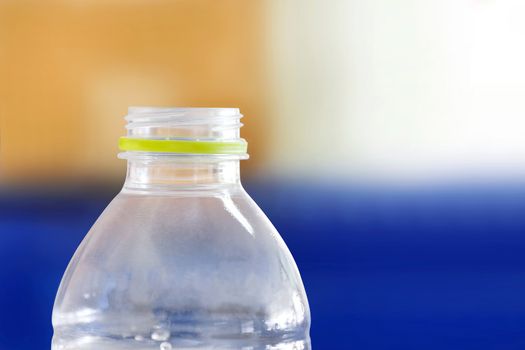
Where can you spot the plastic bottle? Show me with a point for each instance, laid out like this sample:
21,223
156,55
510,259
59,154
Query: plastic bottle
182,258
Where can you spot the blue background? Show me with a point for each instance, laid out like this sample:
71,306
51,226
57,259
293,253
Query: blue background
384,268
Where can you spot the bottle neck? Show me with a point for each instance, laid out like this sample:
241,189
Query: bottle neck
165,173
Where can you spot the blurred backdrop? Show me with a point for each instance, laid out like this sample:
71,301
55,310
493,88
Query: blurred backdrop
386,143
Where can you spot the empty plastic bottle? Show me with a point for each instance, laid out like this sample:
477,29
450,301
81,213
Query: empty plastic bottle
182,258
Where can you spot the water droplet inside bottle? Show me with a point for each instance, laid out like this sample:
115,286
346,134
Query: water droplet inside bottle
160,335
165,346
138,337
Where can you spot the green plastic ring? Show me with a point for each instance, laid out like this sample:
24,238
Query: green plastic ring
182,146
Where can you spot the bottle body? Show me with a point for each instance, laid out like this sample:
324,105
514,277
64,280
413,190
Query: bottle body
188,269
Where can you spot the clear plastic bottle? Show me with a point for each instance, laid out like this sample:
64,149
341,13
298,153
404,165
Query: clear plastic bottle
182,258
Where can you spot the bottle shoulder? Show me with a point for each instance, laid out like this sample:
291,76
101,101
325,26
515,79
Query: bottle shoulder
179,251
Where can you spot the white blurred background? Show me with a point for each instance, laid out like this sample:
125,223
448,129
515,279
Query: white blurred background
405,88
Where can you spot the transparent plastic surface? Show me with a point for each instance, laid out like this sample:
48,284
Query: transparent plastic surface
182,258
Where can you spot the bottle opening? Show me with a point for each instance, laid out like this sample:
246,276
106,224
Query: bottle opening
184,130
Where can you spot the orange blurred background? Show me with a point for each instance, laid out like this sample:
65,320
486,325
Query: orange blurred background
69,70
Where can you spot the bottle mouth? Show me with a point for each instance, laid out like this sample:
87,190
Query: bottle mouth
181,114
184,130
